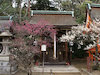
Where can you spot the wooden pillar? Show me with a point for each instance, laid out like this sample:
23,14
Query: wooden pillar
54,45
29,8
66,48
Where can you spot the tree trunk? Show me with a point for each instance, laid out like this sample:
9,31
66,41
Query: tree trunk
68,56
29,72
97,65
66,47
29,8
20,11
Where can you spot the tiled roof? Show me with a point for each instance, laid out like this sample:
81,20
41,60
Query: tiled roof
95,5
4,17
89,6
54,19
52,12
95,10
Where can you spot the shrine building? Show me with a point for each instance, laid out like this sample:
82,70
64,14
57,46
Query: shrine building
62,20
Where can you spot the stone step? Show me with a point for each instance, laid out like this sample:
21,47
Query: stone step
54,63
60,73
55,70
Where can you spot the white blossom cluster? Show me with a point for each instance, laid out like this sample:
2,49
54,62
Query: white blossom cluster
90,46
81,34
76,30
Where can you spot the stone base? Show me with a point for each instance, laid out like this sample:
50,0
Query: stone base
47,73
5,66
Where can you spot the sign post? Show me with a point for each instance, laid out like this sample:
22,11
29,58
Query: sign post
43,49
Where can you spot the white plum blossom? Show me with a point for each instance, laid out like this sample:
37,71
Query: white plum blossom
81,34
67,37
90,46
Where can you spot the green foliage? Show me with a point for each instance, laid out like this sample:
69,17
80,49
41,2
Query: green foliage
79,6
43,5
80,13
78,52
67,5
95,1
6,9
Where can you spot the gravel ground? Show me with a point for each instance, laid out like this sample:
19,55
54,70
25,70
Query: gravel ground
82,64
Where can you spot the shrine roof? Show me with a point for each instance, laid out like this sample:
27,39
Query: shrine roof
52,12
94,9
95,5
5,17
53,17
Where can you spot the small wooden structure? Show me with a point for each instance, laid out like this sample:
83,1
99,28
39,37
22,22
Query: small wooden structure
62,20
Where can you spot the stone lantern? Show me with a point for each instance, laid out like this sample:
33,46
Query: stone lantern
5,66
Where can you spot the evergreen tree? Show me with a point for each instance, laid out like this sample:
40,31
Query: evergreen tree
95,1
6,8
43,5
19,13
79,7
